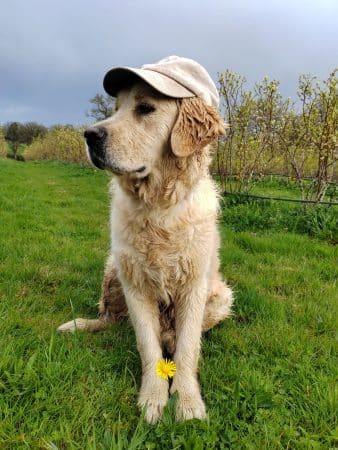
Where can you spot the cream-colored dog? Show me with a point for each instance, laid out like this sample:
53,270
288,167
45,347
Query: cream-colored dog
163,266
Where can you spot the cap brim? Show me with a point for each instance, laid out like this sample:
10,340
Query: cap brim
123,77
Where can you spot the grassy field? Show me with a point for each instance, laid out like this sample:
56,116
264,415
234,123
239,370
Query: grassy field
267,374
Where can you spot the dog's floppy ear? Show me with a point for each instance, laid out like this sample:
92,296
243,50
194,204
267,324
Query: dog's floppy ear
197,125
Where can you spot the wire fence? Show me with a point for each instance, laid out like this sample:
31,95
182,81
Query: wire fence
277,175
260,176
281,199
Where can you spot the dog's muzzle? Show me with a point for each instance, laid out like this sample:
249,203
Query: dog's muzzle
96,137
96,145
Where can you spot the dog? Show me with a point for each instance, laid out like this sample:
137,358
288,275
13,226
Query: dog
163,266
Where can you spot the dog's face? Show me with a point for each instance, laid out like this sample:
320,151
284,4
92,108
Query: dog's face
147,124
137,134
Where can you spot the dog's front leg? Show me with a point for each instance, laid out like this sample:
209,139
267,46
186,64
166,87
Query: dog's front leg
144,314
189,317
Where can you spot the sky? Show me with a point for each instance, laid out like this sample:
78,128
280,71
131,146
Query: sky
54,53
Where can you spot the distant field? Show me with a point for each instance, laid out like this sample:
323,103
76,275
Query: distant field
267,373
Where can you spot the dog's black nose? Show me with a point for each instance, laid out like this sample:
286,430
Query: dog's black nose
95,135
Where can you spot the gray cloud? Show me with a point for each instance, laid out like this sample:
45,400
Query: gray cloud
53,55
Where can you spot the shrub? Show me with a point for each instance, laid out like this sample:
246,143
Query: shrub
271,134
61,143
31,131
3,145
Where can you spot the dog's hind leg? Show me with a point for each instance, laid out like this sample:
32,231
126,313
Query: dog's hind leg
84,324
112,305
218,305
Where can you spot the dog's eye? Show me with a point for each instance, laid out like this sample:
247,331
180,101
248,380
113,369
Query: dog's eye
144,108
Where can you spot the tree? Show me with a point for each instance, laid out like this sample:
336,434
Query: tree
255,118
267,131
17,133
12,136
312,135
23,133
31,131
103,107
325,134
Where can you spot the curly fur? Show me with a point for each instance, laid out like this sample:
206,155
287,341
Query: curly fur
198,124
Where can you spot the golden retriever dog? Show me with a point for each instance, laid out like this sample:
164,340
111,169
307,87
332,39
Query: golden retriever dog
163,267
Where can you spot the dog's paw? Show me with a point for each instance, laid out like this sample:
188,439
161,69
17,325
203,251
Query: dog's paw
190,407
73,325
152,398
189,404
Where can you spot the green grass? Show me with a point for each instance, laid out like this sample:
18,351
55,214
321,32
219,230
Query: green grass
247,214
267,373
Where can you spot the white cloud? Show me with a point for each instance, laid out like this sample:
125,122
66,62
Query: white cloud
15,112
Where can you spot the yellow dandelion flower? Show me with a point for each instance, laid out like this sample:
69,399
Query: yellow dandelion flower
165,368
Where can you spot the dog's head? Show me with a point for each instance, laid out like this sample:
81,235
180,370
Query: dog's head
145,126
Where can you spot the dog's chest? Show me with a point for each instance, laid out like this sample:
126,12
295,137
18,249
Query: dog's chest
152,252
156,247
163,249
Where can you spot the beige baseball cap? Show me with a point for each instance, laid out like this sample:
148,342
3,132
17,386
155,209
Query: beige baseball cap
173,76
